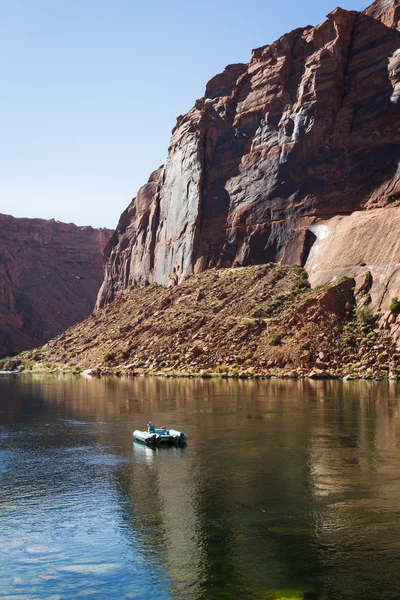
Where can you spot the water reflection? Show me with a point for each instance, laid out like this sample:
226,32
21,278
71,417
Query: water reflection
284,485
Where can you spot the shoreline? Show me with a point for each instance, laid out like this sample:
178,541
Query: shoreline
100,373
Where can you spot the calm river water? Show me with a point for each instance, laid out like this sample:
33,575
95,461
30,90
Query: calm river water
285,490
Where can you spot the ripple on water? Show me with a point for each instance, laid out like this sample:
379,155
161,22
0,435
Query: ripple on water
260,509
90,569
42,549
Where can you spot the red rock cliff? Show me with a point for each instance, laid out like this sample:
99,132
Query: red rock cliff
50,273
306,131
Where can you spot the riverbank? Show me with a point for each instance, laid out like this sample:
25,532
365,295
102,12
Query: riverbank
58,369
260,321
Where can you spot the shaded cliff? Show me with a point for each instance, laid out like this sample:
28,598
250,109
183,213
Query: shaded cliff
309,129
50,274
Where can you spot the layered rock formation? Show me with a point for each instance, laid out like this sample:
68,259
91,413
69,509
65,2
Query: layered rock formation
50,274
307,131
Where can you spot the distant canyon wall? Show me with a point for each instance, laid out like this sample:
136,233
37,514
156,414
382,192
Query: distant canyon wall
50,274
304,136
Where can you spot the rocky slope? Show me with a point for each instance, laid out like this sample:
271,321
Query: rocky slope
50,274
260,320
278,153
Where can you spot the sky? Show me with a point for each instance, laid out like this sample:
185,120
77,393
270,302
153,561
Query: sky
91,90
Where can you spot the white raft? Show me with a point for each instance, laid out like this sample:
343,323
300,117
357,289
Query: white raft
160,436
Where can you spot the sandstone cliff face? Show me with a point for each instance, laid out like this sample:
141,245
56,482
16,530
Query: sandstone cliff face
50,273
306,131
364,245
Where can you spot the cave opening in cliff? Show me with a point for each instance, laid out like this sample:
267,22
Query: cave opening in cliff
309,240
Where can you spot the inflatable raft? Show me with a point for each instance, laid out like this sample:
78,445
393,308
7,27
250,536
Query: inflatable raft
160,436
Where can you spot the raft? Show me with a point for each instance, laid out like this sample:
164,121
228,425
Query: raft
160,436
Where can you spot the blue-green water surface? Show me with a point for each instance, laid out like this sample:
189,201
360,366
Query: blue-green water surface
285,490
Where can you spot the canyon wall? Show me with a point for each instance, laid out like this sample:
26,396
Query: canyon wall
50,274
306,132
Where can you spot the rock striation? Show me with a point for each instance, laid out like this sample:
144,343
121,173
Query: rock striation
307,131
50,274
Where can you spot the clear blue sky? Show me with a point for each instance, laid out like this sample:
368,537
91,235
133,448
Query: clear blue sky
91,90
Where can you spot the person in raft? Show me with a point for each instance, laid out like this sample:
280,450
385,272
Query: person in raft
150,427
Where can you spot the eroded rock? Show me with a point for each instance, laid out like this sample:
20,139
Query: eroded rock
306,131
50,274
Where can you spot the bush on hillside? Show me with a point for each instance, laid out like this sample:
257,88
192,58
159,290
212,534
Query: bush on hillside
394,306
366,318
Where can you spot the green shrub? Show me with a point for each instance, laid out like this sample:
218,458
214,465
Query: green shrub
275,339
366,318
302,283
109,356
259,313
126,353
394,306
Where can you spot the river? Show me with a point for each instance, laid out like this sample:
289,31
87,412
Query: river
286,489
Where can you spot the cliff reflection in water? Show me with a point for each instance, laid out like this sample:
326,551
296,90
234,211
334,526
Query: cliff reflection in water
283,485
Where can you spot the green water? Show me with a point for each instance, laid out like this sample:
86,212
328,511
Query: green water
285,490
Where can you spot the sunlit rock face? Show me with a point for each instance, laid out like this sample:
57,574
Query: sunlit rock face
309,129
364,245
50,274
